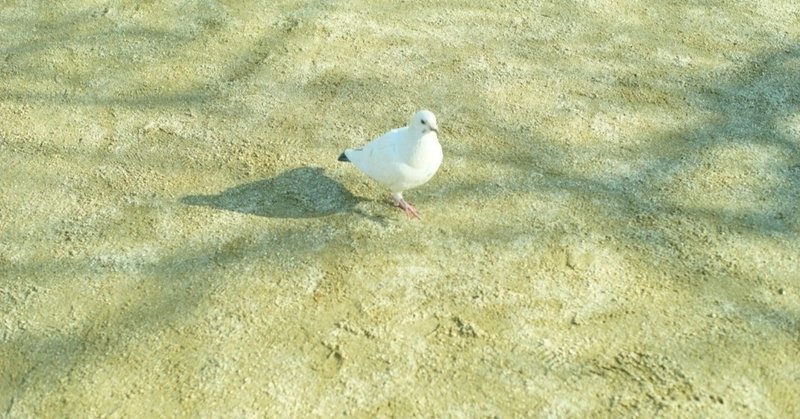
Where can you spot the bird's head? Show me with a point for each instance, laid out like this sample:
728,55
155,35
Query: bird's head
424,122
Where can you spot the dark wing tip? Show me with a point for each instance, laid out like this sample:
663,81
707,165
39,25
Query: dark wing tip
343,157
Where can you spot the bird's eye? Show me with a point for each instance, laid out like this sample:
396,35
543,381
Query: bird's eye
423,121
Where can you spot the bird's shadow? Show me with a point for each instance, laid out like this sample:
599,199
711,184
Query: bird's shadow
304,192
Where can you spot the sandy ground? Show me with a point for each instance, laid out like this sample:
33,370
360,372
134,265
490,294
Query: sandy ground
614,231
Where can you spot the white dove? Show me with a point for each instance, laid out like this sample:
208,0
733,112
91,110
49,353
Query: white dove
402,158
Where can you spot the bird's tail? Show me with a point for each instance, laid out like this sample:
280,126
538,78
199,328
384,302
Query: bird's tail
343,157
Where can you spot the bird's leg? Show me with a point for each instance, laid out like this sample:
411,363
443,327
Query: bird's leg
406,206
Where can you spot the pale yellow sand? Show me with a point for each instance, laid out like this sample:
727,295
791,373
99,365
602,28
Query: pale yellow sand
614,231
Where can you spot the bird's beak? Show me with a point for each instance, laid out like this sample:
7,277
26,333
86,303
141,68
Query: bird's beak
435,130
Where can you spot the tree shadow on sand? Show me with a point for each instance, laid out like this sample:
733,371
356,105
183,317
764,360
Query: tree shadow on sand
304,192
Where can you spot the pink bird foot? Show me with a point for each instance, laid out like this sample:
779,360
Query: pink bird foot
408,208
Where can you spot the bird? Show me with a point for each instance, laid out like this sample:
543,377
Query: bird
402,158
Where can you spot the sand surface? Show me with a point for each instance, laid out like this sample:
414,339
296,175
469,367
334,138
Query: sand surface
614,231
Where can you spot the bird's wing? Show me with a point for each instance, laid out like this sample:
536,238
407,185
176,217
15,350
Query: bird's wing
379,159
